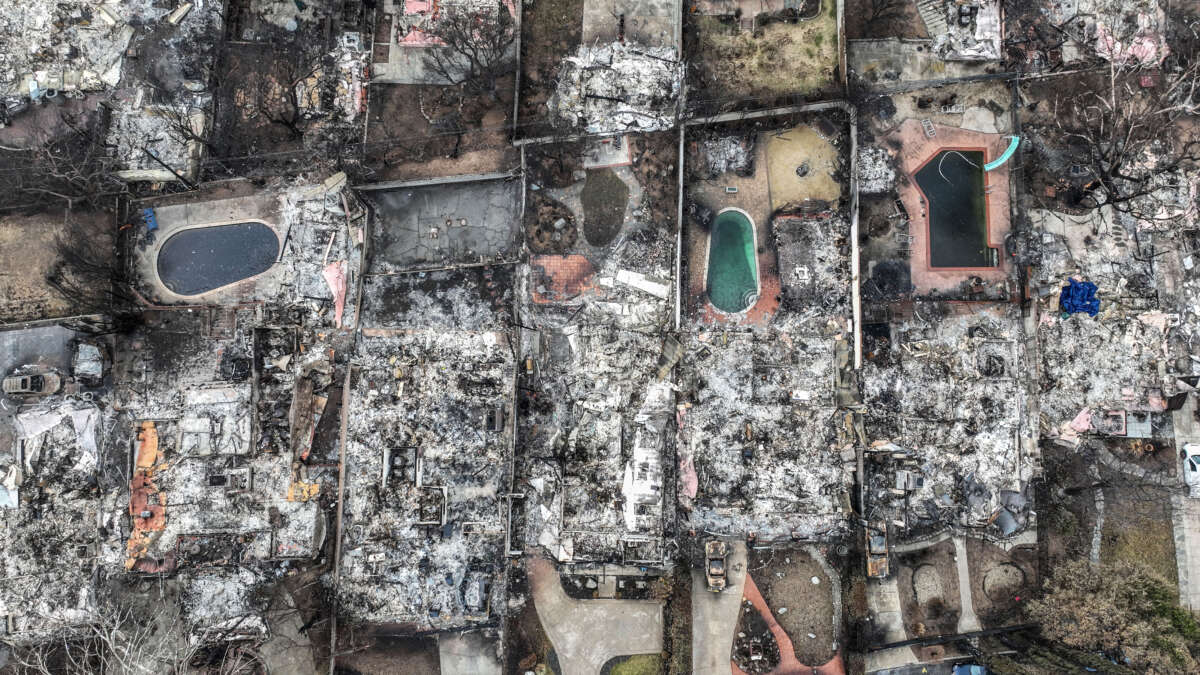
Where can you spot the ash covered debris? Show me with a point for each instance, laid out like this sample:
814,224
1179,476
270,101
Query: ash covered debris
945,415
618,86
595,404
57,47
428,468
876,172
970,31
1111,365
205,491
1118,31
760,427
59,526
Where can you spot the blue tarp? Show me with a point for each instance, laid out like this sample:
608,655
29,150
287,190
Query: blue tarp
1079,296
150,219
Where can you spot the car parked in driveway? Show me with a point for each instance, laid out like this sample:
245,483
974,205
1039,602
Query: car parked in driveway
33,384
1190,454
715,552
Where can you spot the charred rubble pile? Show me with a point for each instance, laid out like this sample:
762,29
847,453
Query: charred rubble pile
596,475
760,451
596,407
945,413
813,250
428,460
620,86
1096,369
60,528
206,493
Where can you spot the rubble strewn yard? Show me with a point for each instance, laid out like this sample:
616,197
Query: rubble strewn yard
599,337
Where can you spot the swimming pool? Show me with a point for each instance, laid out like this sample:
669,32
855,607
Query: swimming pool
732,282
953,185
202,259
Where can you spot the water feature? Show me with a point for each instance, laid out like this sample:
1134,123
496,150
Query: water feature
202,259
732,263
953,184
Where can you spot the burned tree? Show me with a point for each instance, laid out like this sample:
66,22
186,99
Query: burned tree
88,272
1133,141
73,166
476,49
880,14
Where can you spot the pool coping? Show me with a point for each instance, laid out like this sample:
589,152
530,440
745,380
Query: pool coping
987,212
158,245
757,271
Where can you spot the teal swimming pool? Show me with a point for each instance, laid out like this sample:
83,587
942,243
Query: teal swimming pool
732,281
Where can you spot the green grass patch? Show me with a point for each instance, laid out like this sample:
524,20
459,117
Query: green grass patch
638,664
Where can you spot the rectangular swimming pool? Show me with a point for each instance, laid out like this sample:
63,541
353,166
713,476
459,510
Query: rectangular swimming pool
953,184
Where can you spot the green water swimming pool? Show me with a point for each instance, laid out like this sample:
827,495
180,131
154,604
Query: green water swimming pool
732,264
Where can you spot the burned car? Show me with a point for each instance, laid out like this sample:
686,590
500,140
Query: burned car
715,553
33,384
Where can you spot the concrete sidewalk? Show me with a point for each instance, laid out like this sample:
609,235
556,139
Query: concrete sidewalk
586,634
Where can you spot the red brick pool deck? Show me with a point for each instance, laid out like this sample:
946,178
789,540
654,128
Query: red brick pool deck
788,665
915,149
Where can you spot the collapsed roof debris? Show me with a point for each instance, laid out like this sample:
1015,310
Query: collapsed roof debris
1121,31
58,527
972,31
619,86
761,429
945,415
876,173
1110,364
595,403
428,465
54,47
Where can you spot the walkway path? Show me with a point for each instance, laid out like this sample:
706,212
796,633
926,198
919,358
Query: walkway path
586,634
883,597
714,615
967,621
1185,514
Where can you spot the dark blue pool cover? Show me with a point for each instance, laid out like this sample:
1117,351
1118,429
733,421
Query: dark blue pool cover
1079,296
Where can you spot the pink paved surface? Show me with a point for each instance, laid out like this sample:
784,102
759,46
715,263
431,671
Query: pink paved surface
915,150
563,277
788,665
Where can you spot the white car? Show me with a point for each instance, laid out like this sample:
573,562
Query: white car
1190,454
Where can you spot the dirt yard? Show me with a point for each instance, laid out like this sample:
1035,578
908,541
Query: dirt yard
929,594
551,30
802,608
528,647
802,150
28,255
893,18
421,131
779,59
255,74
1001,581
1137,525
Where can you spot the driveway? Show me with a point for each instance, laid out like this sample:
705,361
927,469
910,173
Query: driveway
468,654
1185,514
586,634
714,615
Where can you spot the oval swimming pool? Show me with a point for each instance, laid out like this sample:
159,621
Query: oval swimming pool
732,283
203,259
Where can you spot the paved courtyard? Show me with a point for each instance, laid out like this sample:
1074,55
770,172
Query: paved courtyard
435,225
